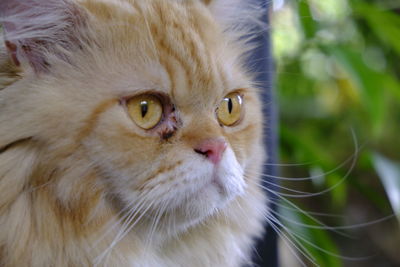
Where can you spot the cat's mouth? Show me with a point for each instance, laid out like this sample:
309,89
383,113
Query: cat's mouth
225,182
215,182
218,184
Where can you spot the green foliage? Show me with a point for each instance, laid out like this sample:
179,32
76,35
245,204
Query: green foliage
338,80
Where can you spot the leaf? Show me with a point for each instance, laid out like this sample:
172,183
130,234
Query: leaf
306,20
389,173
371,83
338,190
384,23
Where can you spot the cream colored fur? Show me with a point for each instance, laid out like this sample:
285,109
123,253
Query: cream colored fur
81,184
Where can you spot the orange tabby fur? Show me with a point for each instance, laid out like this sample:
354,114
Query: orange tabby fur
70,159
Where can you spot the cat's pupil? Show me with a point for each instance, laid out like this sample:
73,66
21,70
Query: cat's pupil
144,108
230,105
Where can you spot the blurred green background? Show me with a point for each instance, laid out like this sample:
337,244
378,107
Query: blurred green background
338,86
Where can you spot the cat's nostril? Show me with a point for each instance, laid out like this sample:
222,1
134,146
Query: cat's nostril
212,149
204,153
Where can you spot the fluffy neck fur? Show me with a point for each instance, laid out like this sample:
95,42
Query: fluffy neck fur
61,201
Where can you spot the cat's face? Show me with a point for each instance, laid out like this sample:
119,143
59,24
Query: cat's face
158,105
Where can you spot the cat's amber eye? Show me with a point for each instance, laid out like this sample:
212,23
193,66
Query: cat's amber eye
229,111
145,110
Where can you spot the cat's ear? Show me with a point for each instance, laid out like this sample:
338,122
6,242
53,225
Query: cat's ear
35,29
238,15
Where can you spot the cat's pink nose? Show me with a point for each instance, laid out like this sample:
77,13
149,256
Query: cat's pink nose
213,149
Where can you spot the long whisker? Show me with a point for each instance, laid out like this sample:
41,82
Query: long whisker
122,214
323,191
351,158
288,241
300,193
290,164
120,234
154,225
324,250
304,212
344,227
321,214
275,224
128,224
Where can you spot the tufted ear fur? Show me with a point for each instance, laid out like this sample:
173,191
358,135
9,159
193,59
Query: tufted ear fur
35,29
237,14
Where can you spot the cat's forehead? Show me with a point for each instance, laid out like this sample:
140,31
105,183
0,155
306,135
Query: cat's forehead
177,44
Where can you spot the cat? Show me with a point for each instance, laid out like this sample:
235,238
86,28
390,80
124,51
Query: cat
130,134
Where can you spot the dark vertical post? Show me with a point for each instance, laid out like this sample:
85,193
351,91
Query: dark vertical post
261,62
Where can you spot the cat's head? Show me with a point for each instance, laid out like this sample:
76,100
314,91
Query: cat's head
147,102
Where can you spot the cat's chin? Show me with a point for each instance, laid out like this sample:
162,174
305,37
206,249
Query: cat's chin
208,201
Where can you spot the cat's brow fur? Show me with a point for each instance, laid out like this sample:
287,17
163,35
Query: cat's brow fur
71,162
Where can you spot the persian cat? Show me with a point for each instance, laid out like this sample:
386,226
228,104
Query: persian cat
130,134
